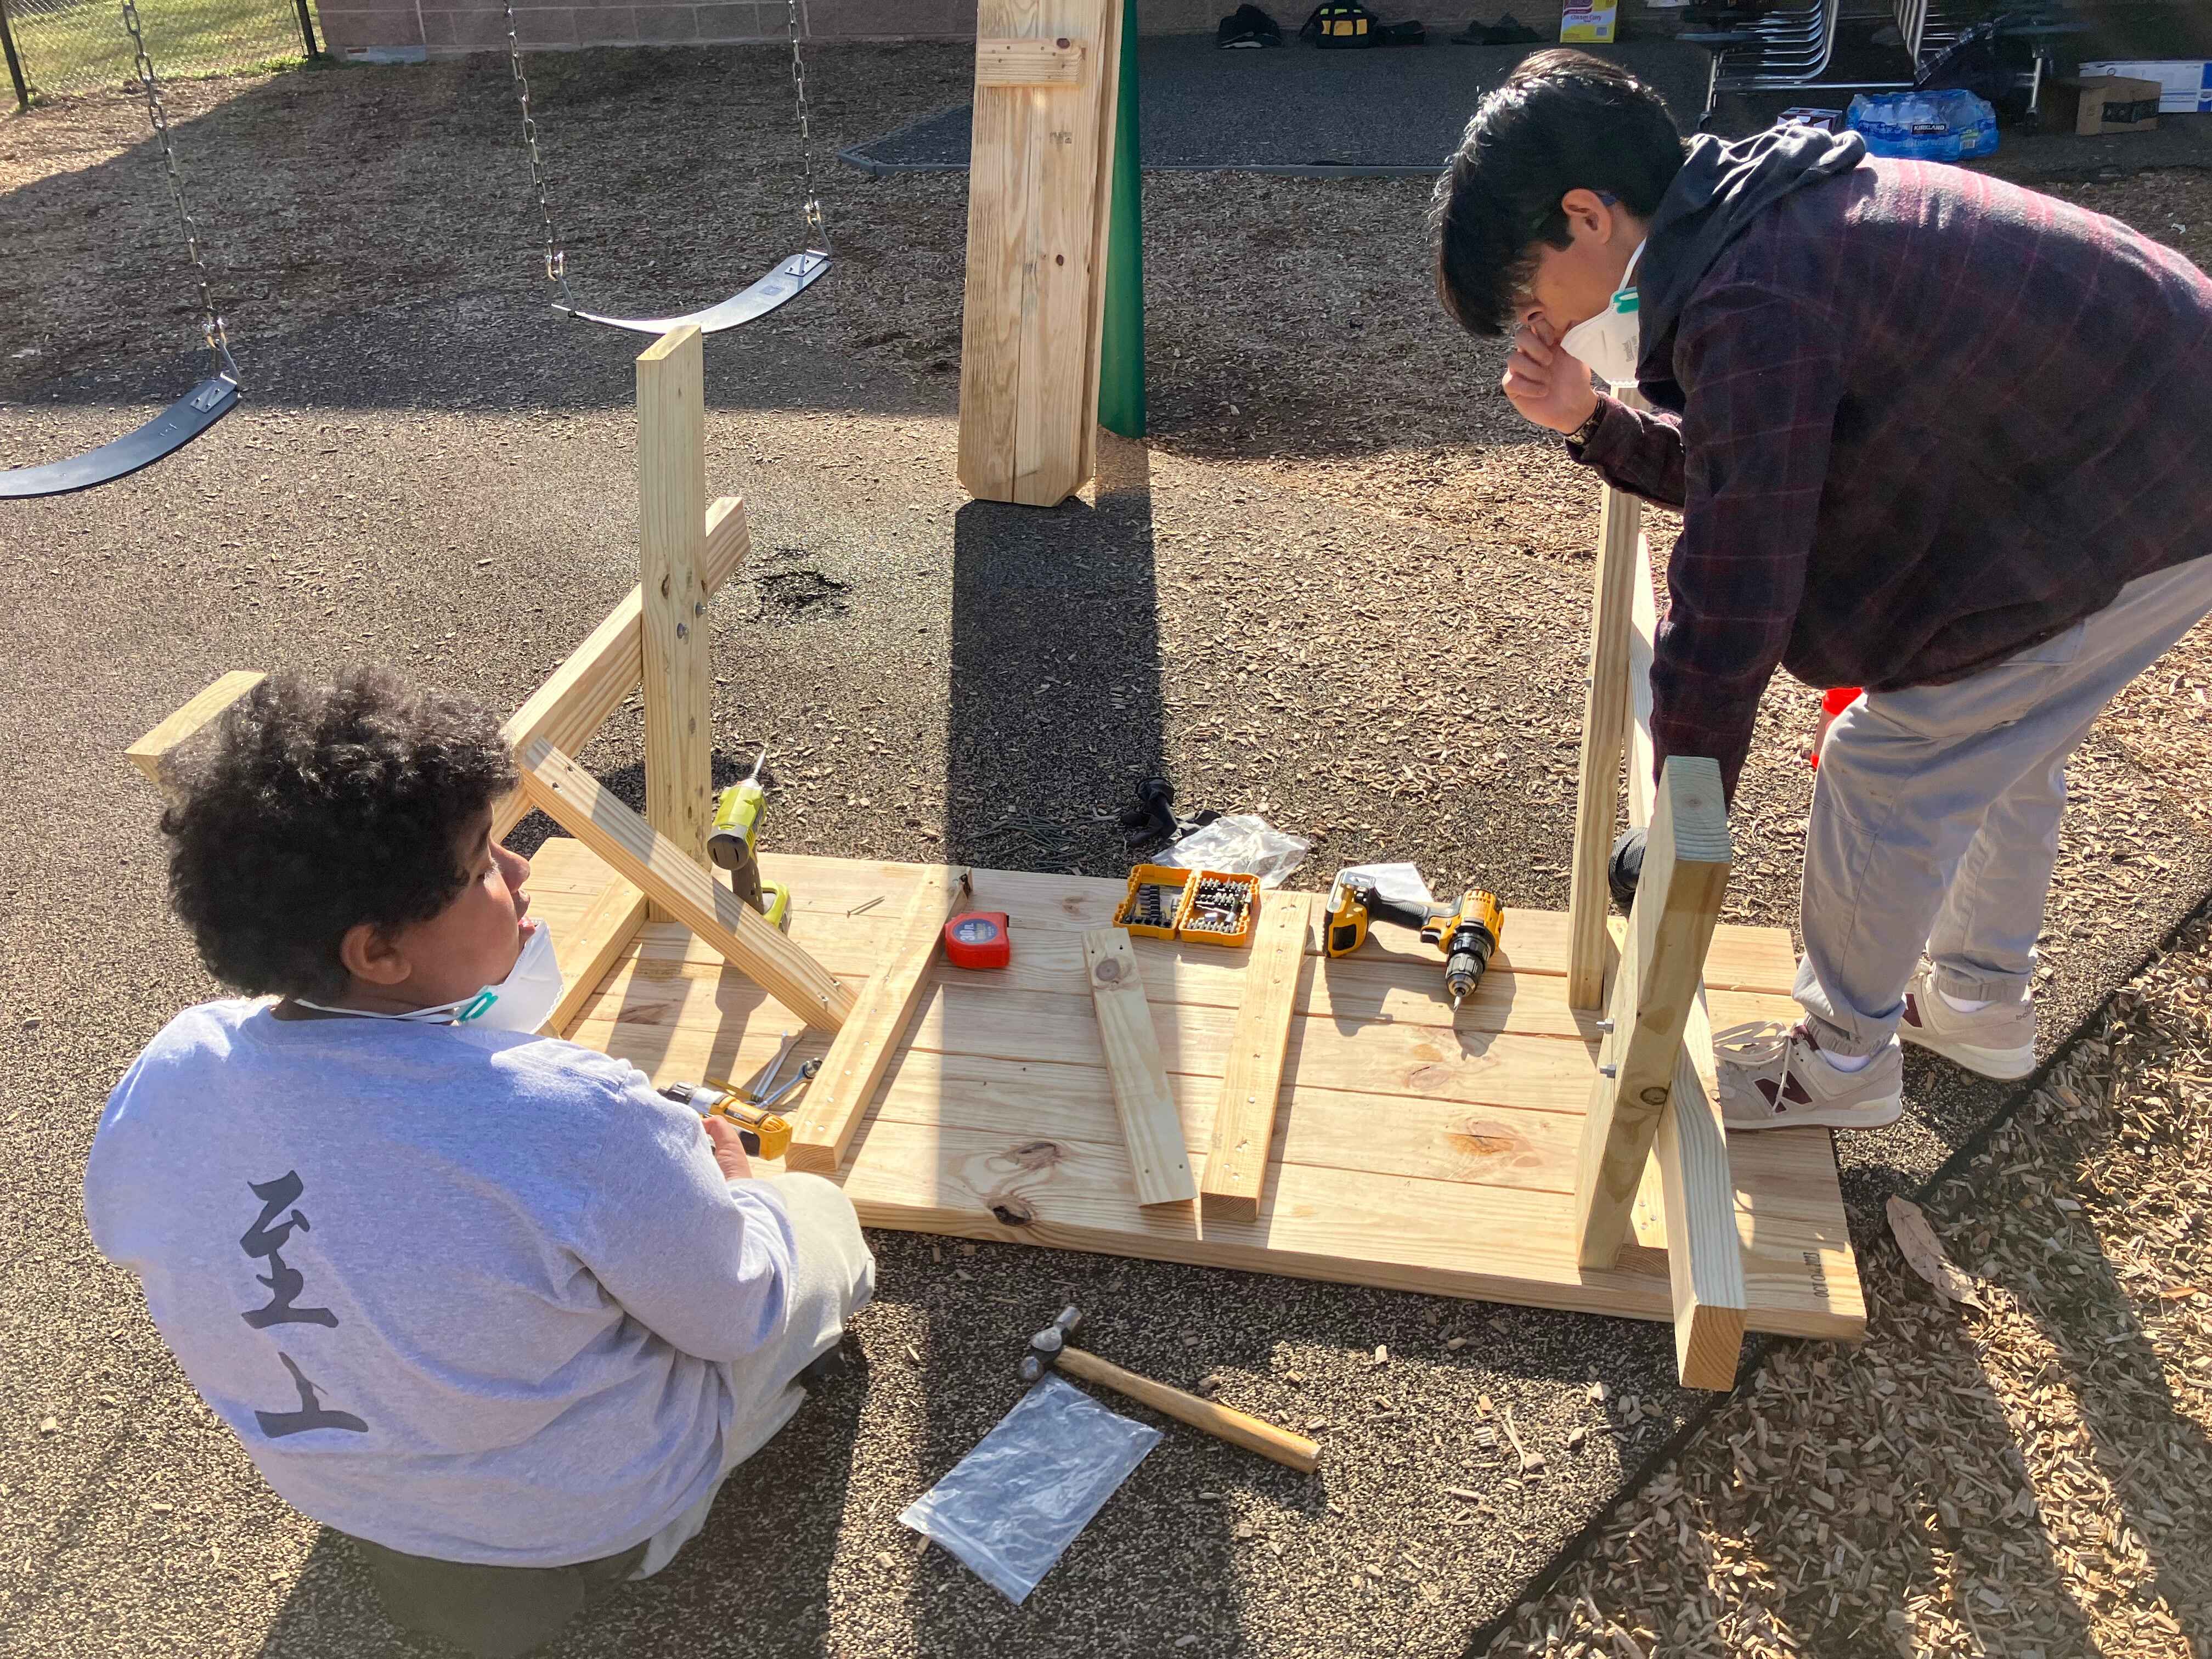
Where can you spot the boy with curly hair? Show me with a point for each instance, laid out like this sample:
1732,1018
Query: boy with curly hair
481,1299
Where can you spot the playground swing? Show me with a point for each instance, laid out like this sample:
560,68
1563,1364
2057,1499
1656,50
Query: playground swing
782,285
192,414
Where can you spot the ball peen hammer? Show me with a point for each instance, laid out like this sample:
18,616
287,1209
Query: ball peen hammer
1050,1350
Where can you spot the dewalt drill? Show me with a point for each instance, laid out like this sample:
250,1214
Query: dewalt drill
1466,935
1466,932
734,843
762,1133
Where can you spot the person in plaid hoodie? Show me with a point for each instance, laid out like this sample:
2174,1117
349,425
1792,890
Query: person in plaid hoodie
1929,433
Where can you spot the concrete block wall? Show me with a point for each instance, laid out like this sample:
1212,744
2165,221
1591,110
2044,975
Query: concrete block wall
448,27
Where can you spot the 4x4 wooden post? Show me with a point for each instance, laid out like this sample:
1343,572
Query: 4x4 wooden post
671,516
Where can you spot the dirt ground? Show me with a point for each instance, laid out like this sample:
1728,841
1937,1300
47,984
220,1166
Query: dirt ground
2024,1472
1341,585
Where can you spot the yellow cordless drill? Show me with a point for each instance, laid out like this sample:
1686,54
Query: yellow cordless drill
1466,932
762,1132
734,843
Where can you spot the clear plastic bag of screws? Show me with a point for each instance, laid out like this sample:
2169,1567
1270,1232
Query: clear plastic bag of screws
1009,1507
1242,844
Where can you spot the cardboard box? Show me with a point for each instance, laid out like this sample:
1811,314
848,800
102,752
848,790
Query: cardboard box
2185,83
1804,115
2104,103
1586,25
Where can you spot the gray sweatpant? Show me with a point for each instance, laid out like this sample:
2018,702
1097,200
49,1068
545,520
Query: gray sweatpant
500,1612
833,1276
1934,821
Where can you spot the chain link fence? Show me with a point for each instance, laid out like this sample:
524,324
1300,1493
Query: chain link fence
56,46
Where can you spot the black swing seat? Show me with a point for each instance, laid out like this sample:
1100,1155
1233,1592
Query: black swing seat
783,284
166,434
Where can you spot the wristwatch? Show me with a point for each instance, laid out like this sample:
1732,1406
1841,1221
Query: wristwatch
1581,434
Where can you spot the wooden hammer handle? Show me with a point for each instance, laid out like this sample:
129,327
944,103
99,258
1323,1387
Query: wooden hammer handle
1233,1426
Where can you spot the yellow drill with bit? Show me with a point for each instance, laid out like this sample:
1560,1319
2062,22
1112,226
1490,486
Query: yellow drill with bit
733,844
1466,932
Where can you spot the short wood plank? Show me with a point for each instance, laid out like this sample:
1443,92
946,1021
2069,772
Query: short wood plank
1685,866
822,1127
573,799
1102,218
149,753
1605,716
571,707
1150,1127
1642,632
1000,175
1052,425
1054,63
588,951
1704,1252
679,672
726,544
1252,1075
1698,1035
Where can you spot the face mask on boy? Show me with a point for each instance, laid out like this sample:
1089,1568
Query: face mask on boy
523,1001
1608,342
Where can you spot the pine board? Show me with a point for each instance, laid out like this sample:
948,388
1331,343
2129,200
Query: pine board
1408,1151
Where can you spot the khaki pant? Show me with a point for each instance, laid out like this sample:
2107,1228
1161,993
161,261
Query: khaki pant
833,1277
1935,822
496,1613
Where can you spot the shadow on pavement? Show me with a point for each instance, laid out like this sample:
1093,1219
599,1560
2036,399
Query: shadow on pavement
1057,710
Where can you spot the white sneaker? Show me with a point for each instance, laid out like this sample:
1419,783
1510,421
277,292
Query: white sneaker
1774,1077
1998,1041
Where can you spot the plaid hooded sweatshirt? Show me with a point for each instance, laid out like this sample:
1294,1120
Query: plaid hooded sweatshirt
1916,420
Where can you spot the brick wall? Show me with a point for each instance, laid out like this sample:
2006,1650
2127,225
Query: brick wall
445,28
450,27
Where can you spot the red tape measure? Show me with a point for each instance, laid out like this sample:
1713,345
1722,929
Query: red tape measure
979,939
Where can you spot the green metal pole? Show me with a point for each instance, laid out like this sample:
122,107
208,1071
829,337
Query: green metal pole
14,64
1121,346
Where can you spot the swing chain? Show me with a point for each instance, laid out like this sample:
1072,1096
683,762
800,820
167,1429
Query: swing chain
218,342
813,208
556,256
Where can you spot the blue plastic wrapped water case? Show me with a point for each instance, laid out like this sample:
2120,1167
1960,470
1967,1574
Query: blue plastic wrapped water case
1924,126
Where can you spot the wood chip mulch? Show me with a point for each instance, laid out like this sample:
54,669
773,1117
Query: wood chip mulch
2026,1473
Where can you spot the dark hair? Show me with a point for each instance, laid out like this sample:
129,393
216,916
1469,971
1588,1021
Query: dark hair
1564,120
317,807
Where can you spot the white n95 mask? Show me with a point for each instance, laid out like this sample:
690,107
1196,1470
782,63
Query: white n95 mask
1608,342
523,1001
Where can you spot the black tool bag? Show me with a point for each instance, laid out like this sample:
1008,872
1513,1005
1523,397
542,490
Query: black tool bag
1337,25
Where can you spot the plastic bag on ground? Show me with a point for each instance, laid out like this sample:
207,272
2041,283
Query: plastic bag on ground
1012,1505
1242,844
1402,884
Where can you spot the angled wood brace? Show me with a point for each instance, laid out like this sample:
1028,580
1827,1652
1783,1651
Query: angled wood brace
825,1122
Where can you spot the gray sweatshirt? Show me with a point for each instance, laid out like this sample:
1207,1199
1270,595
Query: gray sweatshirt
467,1294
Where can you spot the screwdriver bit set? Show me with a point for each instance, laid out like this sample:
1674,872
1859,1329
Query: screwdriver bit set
1204,907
